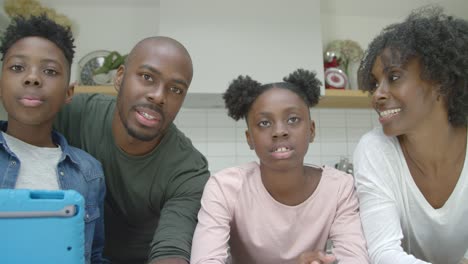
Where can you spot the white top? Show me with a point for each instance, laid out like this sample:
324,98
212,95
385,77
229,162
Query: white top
38,165
238,212
401,227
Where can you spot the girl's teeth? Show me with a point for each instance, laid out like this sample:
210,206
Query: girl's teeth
283,149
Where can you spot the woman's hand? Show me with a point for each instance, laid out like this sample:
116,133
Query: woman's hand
316,257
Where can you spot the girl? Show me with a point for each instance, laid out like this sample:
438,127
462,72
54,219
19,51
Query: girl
278,210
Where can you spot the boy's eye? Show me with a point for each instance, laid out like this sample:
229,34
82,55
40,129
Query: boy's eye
293,120
17,68
50,72
264,123
176,90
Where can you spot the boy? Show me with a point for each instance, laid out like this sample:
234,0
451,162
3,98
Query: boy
37,54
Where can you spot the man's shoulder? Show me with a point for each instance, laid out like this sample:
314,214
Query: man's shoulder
178,142
90,102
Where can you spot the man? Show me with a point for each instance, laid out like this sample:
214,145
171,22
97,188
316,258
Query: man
154,176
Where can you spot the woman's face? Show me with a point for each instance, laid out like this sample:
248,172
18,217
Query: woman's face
404,102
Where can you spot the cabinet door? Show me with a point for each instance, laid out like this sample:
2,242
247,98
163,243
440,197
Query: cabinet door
266,39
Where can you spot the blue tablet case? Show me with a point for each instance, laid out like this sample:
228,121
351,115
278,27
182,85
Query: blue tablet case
41,226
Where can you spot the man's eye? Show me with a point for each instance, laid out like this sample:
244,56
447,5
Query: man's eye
293,120
50,72
147,77
17,68
176,90
264,123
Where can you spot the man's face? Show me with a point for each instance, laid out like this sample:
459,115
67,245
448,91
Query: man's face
152,87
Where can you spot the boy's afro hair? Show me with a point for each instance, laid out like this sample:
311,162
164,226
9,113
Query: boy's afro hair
38,26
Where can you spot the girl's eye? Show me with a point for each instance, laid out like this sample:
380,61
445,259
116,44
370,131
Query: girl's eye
264,123
293,120
17,68
50,72
176,90
393,76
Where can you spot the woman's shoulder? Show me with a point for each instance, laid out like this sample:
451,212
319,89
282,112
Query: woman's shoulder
376,142
376,136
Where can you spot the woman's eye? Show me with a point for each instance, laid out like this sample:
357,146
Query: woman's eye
293,120
17,68
50,72
264,123
176,90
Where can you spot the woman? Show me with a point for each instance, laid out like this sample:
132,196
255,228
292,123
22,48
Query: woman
412,173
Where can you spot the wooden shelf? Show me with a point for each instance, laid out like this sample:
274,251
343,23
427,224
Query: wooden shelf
105,89
332,98
345,99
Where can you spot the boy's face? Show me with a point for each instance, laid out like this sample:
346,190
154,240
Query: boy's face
34,82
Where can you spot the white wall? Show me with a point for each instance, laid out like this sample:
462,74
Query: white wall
362,20
108,25
266,39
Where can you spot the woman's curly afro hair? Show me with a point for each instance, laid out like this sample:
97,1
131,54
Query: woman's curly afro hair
439,42
38,26
243,91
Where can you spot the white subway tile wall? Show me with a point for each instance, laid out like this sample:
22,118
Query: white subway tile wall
222,140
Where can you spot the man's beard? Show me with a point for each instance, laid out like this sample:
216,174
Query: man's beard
130,131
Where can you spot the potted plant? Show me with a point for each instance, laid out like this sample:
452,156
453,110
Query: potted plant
106,73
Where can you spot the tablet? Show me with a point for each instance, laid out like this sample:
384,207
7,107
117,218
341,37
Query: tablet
41,226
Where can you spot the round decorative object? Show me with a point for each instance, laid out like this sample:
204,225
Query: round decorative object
88,64
335,78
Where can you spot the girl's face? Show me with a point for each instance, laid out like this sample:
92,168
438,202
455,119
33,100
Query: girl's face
280,128
404,102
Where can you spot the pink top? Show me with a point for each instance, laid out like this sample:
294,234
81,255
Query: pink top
238,212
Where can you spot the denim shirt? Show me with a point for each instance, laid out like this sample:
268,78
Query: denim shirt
76,170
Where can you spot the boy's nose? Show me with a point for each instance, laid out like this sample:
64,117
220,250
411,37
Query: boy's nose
32,79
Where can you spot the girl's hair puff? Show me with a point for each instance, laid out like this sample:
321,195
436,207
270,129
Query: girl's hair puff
243,91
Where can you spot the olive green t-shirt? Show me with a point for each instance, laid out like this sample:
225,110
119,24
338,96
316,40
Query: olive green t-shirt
152,201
